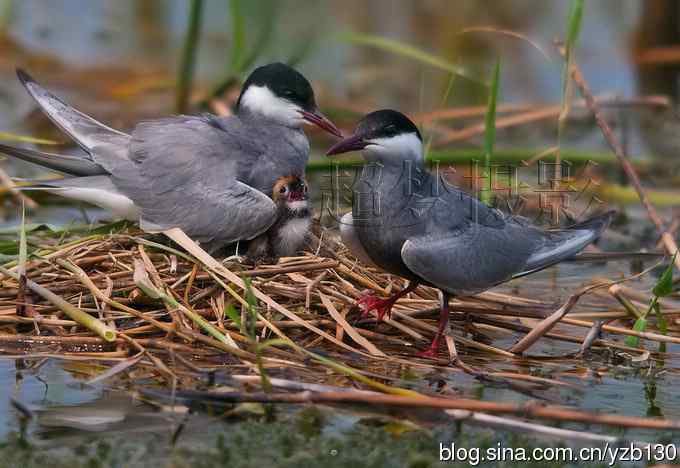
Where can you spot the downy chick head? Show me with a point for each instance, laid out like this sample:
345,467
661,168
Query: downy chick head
282,95
288,234
385,136
291,194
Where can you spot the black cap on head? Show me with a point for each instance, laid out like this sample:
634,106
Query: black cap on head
385,123
285,82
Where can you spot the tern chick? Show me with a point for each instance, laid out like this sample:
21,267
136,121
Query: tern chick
288,234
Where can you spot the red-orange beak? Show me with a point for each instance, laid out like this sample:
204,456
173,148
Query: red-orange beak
321,121
352,143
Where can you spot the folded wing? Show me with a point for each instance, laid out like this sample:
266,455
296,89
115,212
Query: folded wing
555,246
466,260
66,164
103,144
179,176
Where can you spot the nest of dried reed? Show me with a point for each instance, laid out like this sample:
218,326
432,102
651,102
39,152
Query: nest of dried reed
161,316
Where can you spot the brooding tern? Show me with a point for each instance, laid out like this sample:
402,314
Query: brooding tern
206,175
410,223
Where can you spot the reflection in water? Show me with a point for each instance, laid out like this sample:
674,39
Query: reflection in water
41,385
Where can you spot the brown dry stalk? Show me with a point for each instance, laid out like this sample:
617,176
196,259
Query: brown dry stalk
362,280
625,331
514,424
21,197
480,111
520,119
358,339
547,324
311,286
552,335
322,265
666,237
527,410
93,324
162,326
590,337
185,241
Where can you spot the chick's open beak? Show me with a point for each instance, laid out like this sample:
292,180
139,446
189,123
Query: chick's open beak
352,143
297,196
321,121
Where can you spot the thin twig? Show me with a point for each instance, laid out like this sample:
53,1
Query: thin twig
668,240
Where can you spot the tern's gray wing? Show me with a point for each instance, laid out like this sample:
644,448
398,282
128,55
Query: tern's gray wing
98,140
469,259
66,164
551,247
180,176
262,151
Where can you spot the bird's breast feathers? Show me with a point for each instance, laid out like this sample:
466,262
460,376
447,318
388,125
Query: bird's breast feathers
291,235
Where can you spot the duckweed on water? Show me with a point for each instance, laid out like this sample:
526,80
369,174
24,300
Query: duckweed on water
271,444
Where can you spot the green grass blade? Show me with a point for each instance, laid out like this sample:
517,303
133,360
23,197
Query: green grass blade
445,99
6,7
259,349
238,36
574,23
301,51
490,129
188,60
144,283
490,118
231,312
5,136
251,310
408,51
249,57
661,322
267,26
640,326
573,29
664,286
23,250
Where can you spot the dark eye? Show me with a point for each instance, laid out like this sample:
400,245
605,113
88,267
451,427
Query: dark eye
288,92
304,188
391,129
283,189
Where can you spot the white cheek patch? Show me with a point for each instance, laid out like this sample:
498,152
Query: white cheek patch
260,100
406,146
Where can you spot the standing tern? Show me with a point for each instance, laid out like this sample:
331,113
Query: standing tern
206,175
410,223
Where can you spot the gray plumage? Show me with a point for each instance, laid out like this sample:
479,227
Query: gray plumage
207,175
412,223
63,163
439,235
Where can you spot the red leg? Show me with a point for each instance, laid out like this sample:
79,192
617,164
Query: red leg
433,350
371,302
